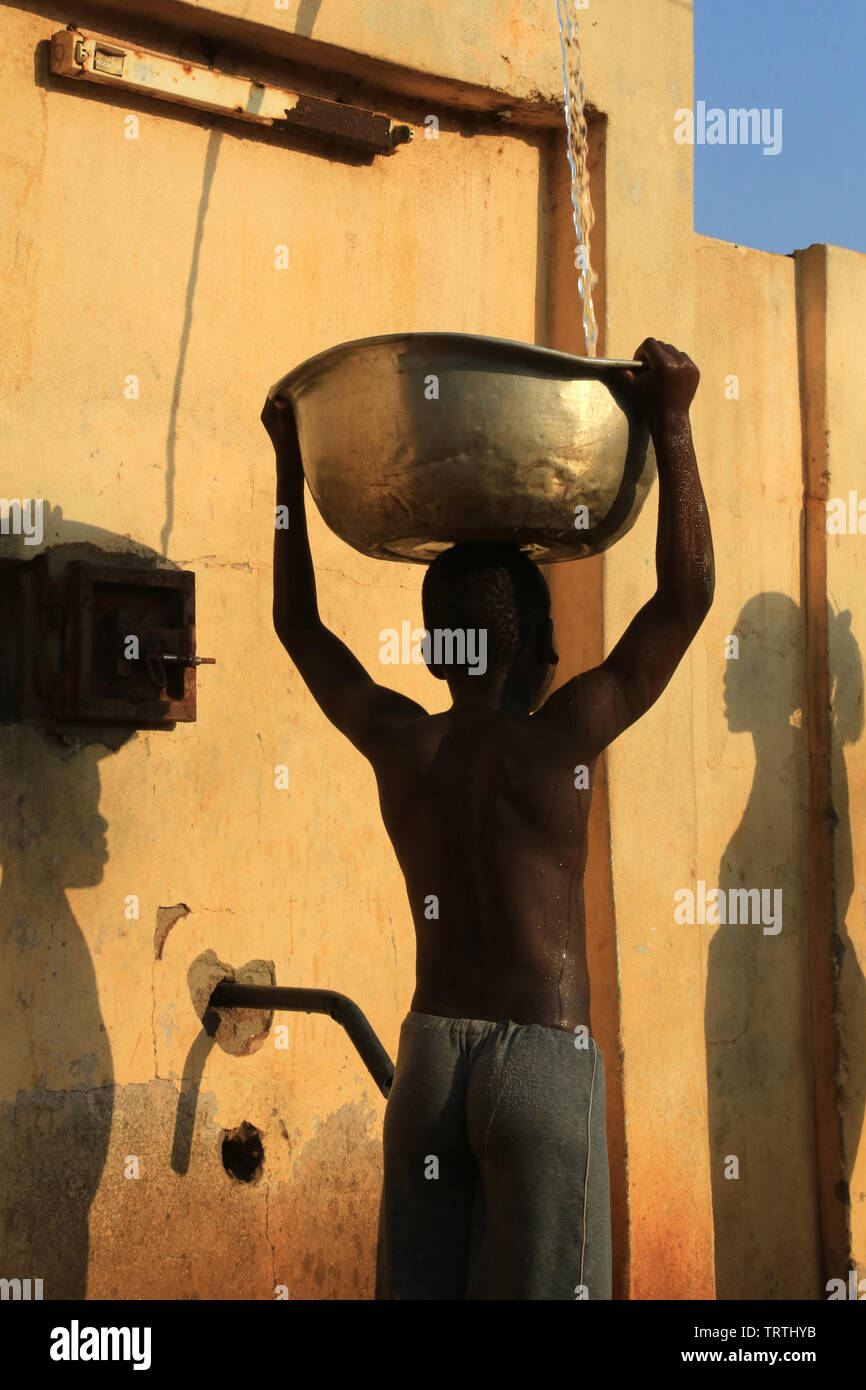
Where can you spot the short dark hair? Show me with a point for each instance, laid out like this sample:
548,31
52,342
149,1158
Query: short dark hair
487,585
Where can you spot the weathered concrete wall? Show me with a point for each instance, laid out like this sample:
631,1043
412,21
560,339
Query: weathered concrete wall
713,1014
156,257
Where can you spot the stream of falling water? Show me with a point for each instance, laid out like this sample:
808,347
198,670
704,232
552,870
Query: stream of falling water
578,158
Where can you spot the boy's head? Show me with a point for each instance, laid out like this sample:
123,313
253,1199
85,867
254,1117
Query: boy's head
493,589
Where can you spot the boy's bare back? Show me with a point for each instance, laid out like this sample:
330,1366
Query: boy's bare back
490,832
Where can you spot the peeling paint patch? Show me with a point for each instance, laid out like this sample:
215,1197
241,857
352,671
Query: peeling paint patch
324,1220
53,1147
165,920
238,1032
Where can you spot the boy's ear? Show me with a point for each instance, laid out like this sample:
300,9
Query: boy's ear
545,649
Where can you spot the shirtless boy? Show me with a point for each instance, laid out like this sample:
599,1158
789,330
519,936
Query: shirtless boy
495,1160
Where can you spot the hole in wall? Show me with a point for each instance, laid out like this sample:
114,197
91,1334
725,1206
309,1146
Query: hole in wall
243,1153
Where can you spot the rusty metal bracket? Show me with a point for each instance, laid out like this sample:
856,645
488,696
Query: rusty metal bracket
108,61
154,657
348,125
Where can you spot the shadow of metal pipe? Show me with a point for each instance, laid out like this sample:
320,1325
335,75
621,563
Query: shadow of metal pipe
187,1101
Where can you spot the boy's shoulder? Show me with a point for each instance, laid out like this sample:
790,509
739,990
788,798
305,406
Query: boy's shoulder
415,740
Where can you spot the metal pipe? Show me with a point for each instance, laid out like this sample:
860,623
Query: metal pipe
339,1007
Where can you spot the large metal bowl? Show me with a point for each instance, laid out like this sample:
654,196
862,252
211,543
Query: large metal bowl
413,441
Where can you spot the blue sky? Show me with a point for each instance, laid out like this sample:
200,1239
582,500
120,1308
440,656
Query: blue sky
808,59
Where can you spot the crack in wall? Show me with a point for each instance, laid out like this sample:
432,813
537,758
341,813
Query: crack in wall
153,1019
268,1237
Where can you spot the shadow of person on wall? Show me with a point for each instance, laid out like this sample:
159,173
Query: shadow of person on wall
846,697
56,1070
57,1087
758,1029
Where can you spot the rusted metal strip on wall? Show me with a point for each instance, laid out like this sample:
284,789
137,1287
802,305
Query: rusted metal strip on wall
110,62
833,1202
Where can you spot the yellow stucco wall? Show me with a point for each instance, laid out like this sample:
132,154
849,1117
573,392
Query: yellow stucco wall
156,257
712,1015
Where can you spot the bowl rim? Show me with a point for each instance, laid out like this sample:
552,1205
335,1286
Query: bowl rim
507,347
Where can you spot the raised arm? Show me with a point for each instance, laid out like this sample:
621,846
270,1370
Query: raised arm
343,690
594,708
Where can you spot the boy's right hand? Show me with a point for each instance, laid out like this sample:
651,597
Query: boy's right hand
664,390
279,420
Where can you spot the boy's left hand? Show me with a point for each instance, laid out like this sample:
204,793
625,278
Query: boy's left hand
664,390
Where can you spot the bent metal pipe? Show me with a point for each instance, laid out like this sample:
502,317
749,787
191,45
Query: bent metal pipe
339,1007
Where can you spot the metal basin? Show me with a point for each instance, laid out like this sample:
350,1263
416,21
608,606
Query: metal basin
414,441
